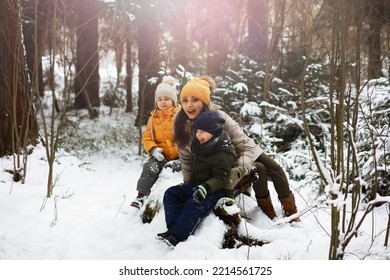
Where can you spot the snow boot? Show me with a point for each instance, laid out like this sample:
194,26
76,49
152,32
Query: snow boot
266,206
289,206
139,200
163,235
172,240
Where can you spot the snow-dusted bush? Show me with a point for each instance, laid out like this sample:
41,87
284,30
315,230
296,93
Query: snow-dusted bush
373,138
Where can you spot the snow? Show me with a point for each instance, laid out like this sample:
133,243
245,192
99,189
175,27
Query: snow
88,229
89,216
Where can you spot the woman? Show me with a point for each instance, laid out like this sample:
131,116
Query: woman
195,99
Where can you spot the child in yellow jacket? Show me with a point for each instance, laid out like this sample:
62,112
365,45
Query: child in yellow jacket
158,138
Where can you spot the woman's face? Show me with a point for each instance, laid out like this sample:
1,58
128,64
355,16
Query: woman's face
192,106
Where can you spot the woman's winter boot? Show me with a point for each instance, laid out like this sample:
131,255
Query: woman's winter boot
266,206
289,207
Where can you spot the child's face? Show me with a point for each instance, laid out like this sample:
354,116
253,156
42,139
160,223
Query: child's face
203,136
192,106
164,103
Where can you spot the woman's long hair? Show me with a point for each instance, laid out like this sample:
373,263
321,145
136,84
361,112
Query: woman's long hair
182,131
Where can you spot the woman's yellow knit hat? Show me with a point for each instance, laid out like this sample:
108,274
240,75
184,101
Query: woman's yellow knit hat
197,87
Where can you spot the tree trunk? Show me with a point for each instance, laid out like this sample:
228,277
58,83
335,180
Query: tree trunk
148,58
378,15
129,73
34,18
87,60
18,124
374,45
181,46
257,28
217,29
273,42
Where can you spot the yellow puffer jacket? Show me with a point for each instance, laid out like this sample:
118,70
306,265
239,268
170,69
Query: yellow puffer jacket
159,132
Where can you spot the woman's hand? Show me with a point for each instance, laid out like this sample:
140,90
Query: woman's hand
236,174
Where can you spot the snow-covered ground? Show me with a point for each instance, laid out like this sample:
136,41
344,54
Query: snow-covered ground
89,217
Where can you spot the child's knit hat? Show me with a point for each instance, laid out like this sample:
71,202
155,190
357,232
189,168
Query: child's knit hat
210,121
197,87
167,88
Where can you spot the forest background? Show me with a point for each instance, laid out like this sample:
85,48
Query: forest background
299,75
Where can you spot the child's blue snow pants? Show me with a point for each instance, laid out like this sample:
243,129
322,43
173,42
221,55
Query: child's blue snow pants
182,213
